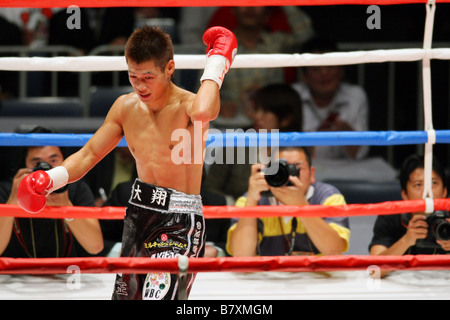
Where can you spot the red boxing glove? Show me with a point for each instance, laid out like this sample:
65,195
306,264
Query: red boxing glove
33,189
30,194
221,48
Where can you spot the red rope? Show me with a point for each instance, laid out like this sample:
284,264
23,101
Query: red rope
214,212
226,264
194,3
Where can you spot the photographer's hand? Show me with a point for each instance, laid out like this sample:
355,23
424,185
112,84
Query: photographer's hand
256,184
291,195
21,173
417,229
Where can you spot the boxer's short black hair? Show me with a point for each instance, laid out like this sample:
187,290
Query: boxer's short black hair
149,43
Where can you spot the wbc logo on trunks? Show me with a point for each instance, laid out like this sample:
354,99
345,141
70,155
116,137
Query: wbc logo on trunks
156,286
262,146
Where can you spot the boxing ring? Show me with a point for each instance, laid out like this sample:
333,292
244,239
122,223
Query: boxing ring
255,278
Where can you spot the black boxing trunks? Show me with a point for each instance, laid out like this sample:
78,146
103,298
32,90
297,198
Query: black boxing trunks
159,223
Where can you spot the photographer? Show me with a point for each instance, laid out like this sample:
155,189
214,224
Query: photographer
412,233
38,237
271,236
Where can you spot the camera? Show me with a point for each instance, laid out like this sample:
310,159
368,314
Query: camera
46,166
438,229
279,178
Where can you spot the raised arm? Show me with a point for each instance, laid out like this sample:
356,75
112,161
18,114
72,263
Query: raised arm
221,50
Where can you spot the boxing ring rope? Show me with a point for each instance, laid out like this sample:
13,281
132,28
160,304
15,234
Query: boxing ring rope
250,139
217,212
311,263
241,264
196,61
224,264
197,3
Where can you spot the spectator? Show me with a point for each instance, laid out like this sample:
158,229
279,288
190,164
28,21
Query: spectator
236,112
193,23
277,106
118,23
10,35
36,238
83,38
331,104
401,234
269,236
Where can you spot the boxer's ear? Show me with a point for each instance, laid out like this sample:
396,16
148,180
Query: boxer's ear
170,67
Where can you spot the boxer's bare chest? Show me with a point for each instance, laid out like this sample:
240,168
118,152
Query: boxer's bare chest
148,132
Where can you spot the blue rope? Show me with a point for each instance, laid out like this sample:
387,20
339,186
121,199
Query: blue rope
231,139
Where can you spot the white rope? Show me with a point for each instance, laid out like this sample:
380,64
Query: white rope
427,101
429,205
186,61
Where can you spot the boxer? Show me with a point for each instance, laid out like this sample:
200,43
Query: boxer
164,216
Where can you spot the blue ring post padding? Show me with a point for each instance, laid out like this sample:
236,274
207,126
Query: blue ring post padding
374,138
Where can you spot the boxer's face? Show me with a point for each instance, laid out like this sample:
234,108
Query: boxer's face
50,154
148,80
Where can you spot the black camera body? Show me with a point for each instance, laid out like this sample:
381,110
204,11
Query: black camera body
281,177
438,229
42,165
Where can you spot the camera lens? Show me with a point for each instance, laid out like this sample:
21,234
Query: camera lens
441,229
281,177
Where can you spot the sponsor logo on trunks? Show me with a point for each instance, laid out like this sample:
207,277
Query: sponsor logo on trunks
164,243
156,286
121,288
197,234
188,149
165,255
170,243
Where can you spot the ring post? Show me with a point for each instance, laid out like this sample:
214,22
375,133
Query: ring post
183,265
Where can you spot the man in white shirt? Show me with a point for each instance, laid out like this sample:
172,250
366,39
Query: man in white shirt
329,104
